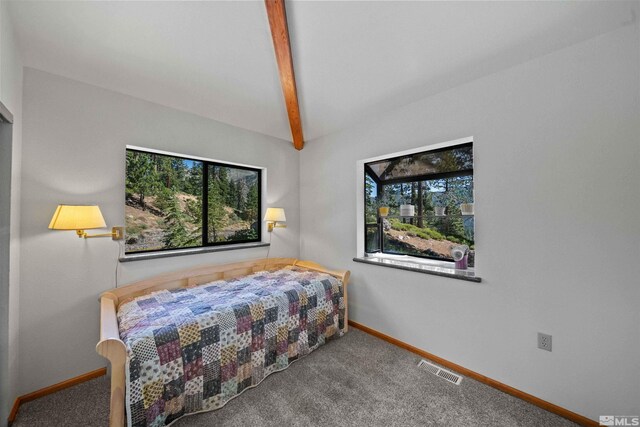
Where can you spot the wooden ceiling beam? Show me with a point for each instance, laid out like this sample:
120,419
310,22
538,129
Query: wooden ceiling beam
280,35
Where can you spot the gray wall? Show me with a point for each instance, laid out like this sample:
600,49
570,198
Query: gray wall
74,146
5,244
11,96
557,169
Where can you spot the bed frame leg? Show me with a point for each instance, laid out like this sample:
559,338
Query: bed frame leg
345,282
116,354
114,350
117,416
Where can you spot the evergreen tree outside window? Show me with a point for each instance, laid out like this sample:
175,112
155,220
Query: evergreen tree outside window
429,181
174,202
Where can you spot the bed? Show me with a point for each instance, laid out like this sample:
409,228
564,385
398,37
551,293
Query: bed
190,341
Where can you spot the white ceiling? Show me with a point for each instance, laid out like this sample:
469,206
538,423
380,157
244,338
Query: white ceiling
352,59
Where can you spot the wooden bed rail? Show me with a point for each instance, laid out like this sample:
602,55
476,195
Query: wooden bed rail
113,348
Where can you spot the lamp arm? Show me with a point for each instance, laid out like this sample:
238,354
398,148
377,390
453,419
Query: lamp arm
117,233
89,236
272,224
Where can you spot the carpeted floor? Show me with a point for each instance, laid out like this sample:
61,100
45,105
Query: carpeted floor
357,380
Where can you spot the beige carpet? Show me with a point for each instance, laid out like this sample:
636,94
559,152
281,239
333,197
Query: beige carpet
357,380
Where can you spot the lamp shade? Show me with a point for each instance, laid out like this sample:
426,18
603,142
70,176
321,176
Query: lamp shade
83,217
275,215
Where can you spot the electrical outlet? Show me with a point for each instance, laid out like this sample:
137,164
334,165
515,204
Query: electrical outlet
544,341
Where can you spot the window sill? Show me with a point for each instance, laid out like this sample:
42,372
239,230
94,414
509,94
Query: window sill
182,252
437,268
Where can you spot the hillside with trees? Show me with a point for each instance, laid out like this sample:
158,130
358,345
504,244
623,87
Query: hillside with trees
164,203
425,234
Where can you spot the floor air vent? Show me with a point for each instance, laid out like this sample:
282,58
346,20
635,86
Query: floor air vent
440,372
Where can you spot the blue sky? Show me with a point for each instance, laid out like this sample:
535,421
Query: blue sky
190,163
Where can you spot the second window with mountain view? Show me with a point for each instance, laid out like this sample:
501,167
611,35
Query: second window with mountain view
421,204
174,202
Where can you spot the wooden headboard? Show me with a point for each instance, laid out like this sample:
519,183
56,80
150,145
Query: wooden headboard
209,273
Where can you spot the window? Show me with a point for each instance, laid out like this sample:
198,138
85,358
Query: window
174,202
413,203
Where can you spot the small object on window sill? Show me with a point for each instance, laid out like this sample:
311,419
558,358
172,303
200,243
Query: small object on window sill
460,255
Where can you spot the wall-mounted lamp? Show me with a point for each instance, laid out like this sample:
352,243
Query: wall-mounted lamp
81,218
273,217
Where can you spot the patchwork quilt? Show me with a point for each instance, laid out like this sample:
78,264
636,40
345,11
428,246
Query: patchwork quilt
194,349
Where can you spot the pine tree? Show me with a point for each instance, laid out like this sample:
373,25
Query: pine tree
164,171
164,198
251,211
419,200
194,179
221,173
231,195
194,215
240,202
176,235
141,178
179,173
215,212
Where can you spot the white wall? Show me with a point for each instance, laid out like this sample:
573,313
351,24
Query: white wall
11,96
557,167
73,152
